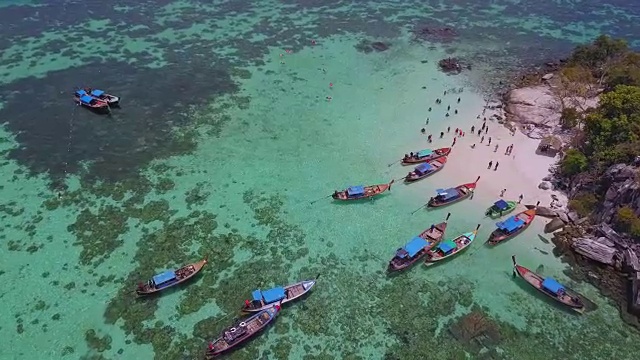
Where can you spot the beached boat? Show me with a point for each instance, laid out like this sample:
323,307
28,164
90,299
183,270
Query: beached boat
512,226
170,278
549,287
418,247
425,169
500,208
85,100
242,331
282,294
452,195
361,192
448,248
112,100
424,156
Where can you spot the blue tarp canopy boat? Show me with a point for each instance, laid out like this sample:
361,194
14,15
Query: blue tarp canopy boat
269,296
164,277
96,92
511,224
447,246
501,205
424,153
447,194
355,191
415,245
423,168
552,286
80,92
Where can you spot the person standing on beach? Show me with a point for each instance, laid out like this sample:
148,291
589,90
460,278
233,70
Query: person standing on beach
441,134
481,139
447,115
502,192
457,131
473,128
479,131
496,149
483,126
454,142
520,198
429,109
429,138
458,100
449,129
489,144
496,168
448,107
490,163
427,122
486,130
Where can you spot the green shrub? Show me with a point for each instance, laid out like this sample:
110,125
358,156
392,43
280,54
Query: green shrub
569,118
573,163
627,221
583,204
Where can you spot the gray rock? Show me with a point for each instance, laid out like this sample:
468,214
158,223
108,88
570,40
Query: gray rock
547,178
553,225
563,216
544,185
546,212
548,76
573,216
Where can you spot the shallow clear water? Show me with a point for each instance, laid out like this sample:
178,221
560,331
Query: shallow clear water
223,141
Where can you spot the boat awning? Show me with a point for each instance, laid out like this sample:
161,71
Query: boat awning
415,245
501,205
552,286
423,168
355,190
447,194
164,277
86,99
446,246
97,92
256,295
510,224
424,153
81,92
273,295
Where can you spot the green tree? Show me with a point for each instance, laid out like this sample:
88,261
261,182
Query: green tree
569,118
573,163
625,72
597,55
583,204
627,221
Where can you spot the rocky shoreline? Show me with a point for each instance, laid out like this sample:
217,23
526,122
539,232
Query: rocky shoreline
596,253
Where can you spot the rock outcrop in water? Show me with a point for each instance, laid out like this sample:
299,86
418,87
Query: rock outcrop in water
452,65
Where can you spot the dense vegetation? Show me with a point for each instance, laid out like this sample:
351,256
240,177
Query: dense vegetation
608,134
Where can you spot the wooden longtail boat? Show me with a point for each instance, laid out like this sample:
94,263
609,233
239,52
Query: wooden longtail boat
268,298
452,195
424,156
97,94
242,331
361,192
448,248
418,247
500,208
85,100
549,287
426,169
170,278
512,226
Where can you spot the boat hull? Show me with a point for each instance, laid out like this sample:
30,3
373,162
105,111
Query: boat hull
494,214
536,280
297,291
465,191
397,264
498,236
195,268
438,153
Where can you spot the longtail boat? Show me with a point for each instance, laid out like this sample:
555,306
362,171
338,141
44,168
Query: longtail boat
170,278
262,299
549,287
424,156
448,248
242,331
426,169
85,100
452,195
97,94
361,192
418,247
512,226
500,208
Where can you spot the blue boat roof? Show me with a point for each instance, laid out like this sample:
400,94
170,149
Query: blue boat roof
423,168
510,224
273,295
551,285
256,295
81,92
446,246
86,99
447,194
355,190
423,153
415,245
501,205
164,277
96,92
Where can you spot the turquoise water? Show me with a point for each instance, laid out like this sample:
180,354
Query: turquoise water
223,141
